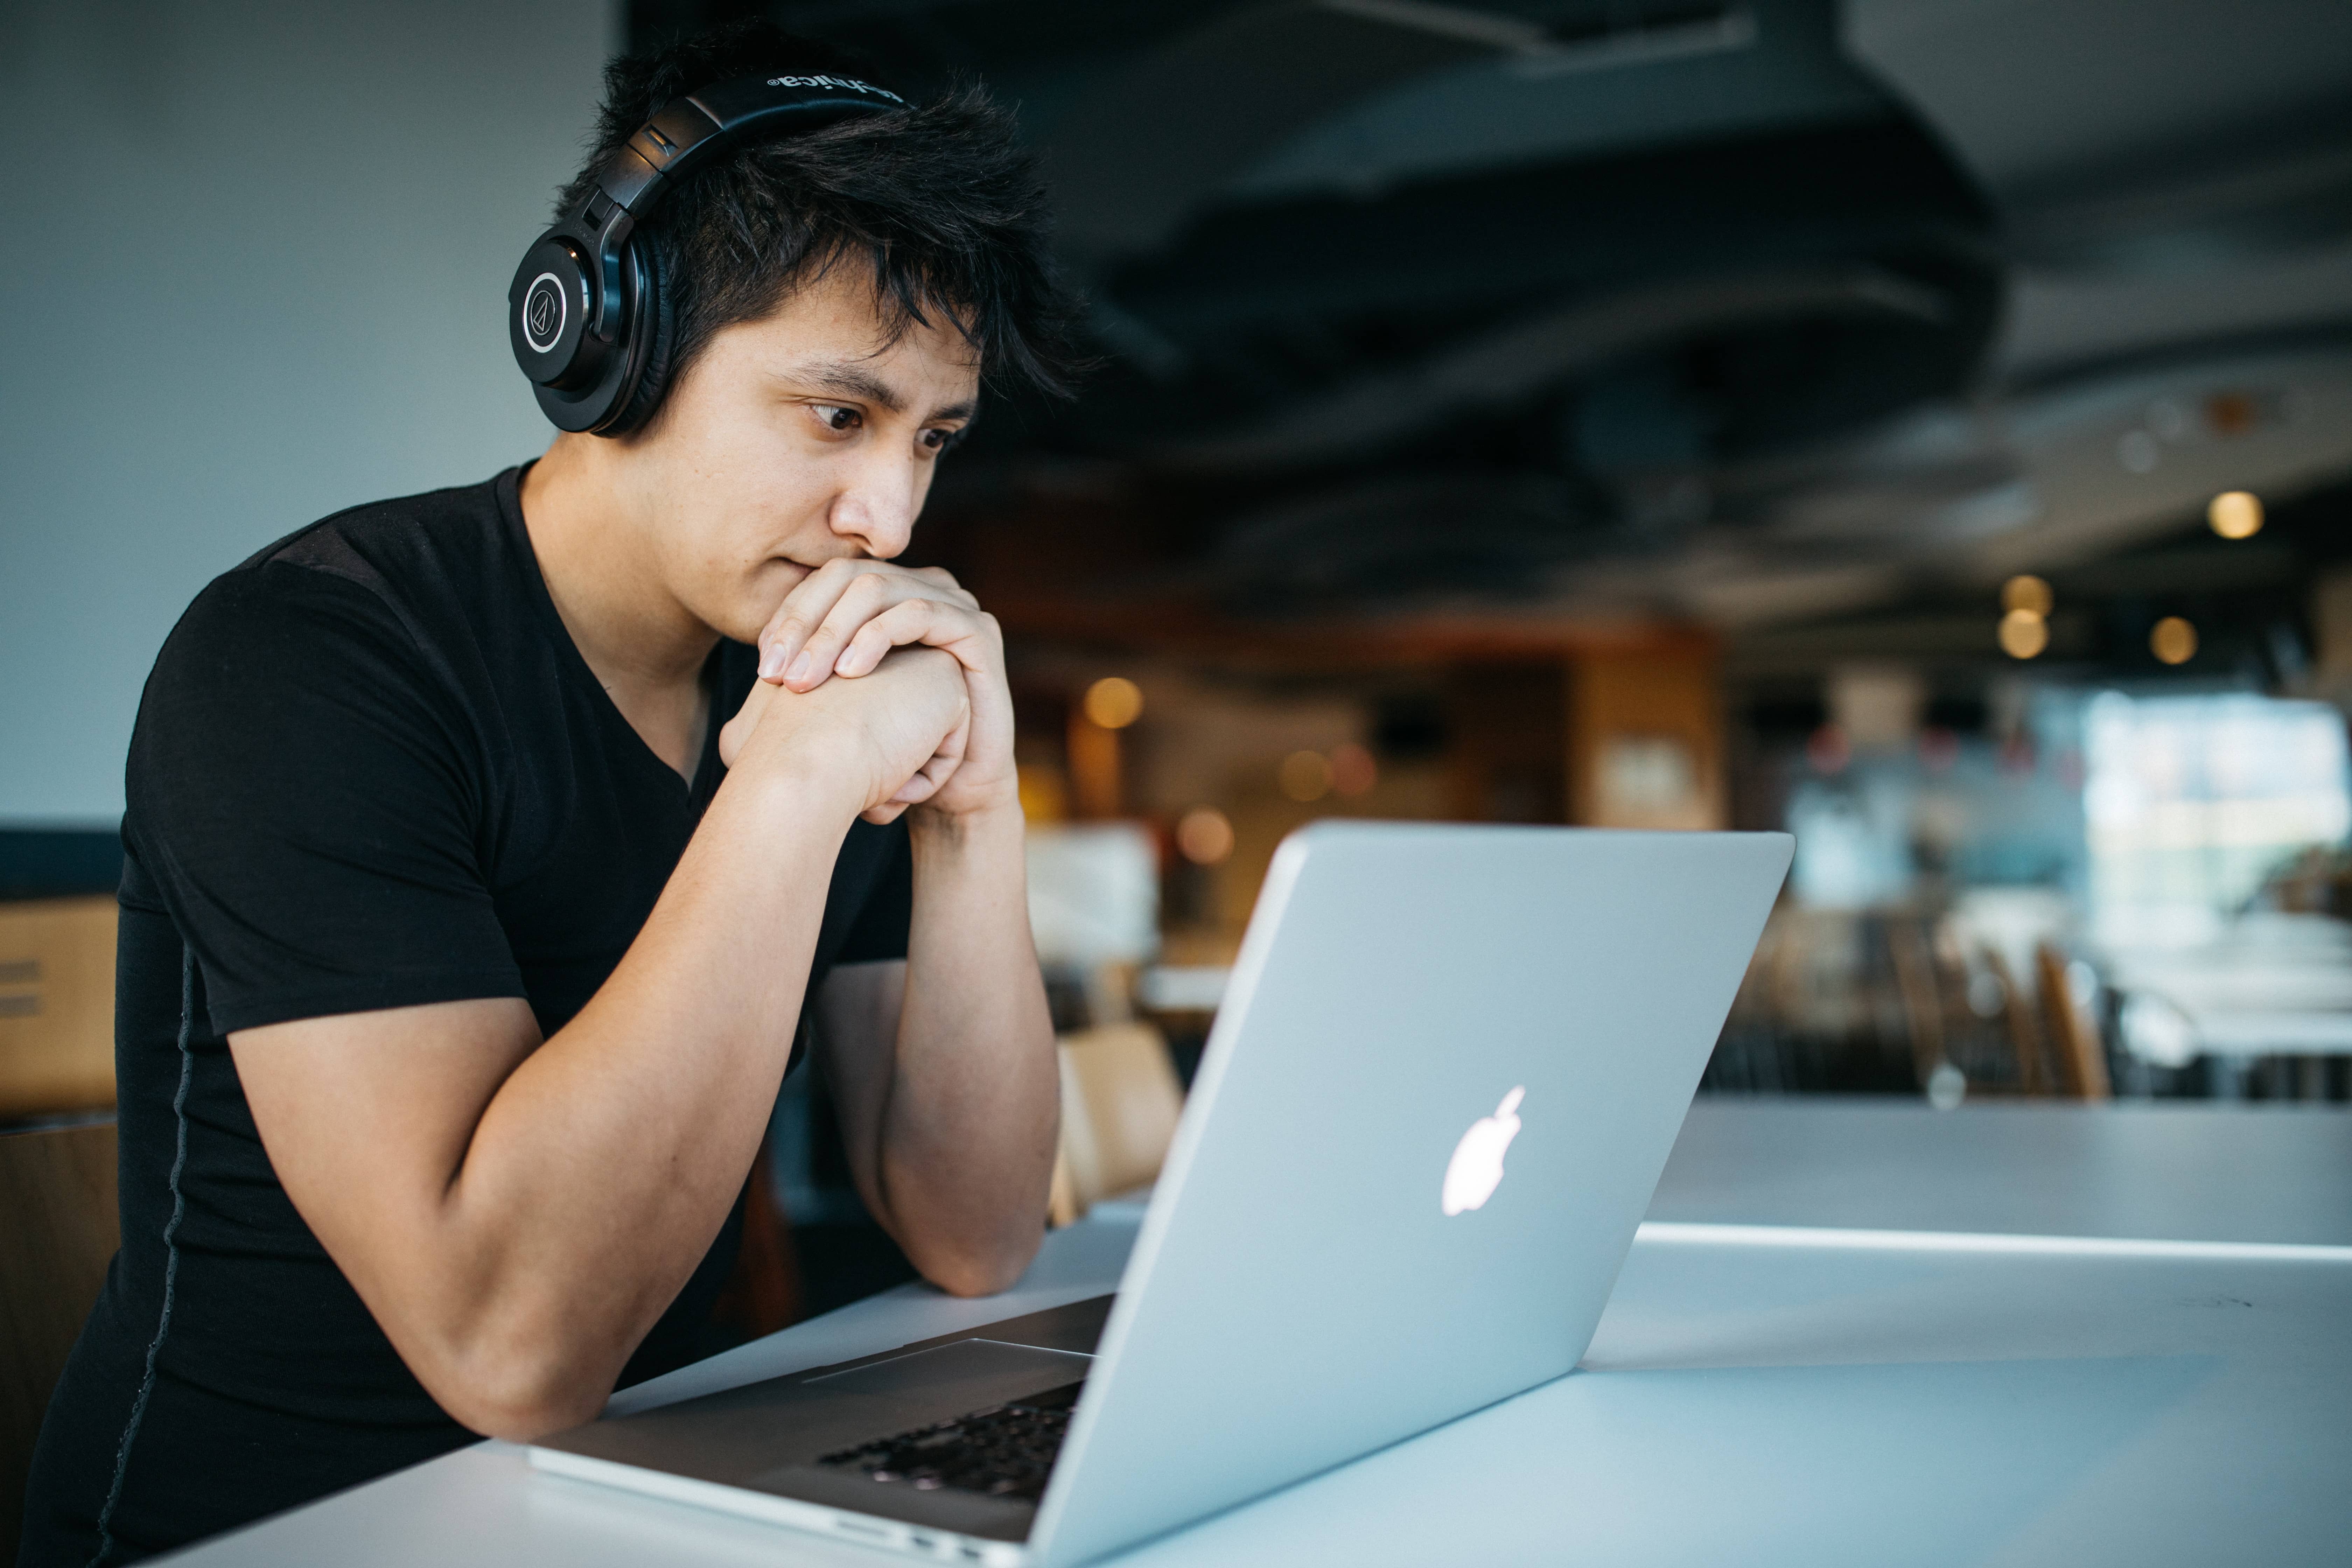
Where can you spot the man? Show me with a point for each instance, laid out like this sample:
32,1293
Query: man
485,849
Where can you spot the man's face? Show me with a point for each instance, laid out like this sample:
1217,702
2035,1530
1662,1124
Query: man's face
794,440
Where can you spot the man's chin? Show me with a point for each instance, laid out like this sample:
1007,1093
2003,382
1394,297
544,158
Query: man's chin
746,618
739,622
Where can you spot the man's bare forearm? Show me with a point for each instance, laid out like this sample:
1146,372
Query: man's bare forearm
518,1213
967,1127
605,1165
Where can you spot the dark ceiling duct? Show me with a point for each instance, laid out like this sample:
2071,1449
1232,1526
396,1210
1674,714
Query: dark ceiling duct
1153,142
1510,363
2290,190
1408,297
1797,285
1405,540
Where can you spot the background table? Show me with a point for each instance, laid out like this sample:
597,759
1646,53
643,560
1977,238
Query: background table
1888,1396
2176,1171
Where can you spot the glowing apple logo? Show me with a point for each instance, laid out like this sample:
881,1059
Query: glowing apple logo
1477,1168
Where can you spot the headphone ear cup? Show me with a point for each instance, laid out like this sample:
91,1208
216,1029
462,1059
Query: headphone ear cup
655,326
548,305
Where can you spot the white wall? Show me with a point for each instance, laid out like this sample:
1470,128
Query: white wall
253,271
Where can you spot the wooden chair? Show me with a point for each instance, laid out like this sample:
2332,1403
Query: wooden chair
2024,1028
1909,945
2071,1031
57,1006
60,1229
1120,1101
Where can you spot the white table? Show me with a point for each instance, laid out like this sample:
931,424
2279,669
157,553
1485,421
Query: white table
1907,1394
2178,1170
2250,1033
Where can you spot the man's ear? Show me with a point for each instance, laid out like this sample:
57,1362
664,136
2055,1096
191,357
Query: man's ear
642,411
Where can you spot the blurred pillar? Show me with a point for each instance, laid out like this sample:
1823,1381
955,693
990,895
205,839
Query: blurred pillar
1095,783
1645,743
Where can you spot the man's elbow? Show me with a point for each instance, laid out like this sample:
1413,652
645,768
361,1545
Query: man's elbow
979,1272
515,1396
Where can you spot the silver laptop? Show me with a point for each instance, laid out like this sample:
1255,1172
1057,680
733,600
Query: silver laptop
1445,1078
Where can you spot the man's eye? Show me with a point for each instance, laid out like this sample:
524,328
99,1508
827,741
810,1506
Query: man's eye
836,418
941,440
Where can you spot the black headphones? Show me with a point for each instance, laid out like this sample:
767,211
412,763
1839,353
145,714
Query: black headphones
586,312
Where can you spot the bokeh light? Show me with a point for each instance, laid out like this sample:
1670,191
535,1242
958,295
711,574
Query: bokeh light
1204,835
2023,634
2027,593
2173,641
1353,772
2235,514
1114,702
1305,776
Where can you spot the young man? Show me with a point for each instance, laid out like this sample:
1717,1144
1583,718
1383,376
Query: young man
485,850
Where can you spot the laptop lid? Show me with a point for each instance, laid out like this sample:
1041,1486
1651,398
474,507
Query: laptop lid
1447,1076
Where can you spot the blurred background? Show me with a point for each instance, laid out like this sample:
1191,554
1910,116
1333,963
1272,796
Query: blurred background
1925,426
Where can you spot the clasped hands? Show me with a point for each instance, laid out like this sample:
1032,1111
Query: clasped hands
932,729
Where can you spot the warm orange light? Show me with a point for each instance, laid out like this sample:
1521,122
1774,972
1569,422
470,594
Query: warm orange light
1045,795
1204,835
2236,514
2023,634
1114,702
2026,593
1305,776
2173,641
1353,772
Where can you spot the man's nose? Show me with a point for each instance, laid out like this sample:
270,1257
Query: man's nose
876,509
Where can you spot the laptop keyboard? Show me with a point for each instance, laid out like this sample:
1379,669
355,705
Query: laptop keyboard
1006,1450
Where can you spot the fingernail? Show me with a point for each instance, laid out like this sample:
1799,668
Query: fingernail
842,666
800,670
772,661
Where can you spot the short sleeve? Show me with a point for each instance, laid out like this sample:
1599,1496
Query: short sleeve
883,922
306,792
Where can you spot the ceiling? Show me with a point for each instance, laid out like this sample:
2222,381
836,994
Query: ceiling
1741,311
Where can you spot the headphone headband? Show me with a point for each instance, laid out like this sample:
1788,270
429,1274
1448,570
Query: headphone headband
585,314
687,130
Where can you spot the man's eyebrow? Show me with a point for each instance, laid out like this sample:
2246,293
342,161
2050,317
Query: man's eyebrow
853,380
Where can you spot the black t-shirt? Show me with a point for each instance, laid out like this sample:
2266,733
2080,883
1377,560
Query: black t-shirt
370,770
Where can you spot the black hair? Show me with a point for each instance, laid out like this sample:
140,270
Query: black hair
941,201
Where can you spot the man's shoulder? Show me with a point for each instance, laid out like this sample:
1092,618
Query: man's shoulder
439,538
401,575
428,565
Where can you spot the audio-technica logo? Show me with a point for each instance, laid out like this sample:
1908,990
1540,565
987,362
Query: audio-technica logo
542,312
850,82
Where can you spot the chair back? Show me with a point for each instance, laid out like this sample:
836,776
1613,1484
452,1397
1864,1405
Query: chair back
1912,947
2023,1024
57,1006
60,1229
2074,1033
1120,1101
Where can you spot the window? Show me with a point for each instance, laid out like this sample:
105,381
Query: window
2191,802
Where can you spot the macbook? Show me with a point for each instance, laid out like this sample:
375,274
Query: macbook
1447,1072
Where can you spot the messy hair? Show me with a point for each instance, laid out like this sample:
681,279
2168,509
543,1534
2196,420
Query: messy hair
941,201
